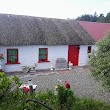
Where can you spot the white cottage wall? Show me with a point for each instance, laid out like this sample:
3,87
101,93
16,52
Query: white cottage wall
2,51
83,54
94,47
28,55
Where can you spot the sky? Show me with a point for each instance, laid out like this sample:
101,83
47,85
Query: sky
55,8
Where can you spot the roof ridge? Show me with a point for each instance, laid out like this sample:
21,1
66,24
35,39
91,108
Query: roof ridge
18,15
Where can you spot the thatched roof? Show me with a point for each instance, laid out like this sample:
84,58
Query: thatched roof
27,30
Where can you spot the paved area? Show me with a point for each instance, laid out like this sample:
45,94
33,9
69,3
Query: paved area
80,79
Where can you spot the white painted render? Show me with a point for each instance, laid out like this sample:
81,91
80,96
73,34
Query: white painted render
28,55
83,54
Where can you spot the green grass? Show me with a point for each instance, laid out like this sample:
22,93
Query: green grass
16,101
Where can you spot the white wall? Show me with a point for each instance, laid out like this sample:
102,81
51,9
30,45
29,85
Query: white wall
83,54
2,51
28,55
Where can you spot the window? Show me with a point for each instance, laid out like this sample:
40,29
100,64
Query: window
89,49
43,55
12,56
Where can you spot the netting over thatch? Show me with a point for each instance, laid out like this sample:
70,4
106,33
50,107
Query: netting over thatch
26,30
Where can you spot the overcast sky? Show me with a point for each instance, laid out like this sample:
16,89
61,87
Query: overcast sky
55,8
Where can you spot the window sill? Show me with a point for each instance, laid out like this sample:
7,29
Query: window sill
43,61
12,63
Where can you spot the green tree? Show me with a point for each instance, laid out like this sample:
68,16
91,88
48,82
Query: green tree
101,18
88,17
95,18
100,61
85,17
107,18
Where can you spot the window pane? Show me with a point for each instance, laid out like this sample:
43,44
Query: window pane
42,51
42,57
12,59
89,49
12,52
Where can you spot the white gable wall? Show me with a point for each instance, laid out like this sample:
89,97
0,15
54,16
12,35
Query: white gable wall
28,55
83,57
83,54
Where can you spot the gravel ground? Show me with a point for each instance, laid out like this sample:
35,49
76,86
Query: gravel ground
80,79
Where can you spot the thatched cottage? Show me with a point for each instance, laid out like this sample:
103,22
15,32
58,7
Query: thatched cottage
26,40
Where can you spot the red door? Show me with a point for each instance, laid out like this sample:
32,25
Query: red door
73,54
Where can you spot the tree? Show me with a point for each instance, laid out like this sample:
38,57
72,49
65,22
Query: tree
101,18
100,61
95,18
107,18
88,17
85,17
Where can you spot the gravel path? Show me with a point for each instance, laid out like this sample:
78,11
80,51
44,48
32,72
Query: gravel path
80,79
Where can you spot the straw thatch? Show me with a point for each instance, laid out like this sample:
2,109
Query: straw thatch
27,30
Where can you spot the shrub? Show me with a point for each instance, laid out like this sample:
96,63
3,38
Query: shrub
89,104
73,103
5,84
100,61
64,100
65,97
17,81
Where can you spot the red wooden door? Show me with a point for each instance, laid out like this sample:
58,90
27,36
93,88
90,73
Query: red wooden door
73,54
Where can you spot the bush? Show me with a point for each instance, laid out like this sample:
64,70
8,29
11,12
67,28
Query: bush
5,84
65,97
100,61
17,81
17,101
89,104
63,100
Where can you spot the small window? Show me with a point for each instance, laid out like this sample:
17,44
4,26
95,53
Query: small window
89,49
12,56
43,55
